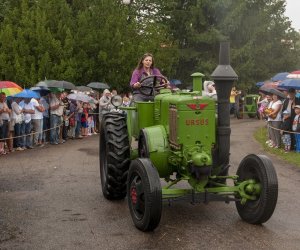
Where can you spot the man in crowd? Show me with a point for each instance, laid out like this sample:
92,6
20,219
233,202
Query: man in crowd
28,110
37,121
19,124
56,112
290,102
46,118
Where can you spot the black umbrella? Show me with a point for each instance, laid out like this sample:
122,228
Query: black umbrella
61,84
98,85
83,88
42,90
277,92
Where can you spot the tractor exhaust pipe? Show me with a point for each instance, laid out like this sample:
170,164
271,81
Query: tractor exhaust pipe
223,76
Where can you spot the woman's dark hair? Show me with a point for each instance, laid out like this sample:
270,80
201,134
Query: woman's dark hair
140,64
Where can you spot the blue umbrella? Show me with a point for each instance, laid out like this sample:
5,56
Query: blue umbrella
259,84
27,93
175,82
280,76
290,83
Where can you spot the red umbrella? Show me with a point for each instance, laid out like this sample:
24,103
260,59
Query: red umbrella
10,88
294,75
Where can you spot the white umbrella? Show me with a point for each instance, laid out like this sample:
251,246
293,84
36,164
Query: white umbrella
293,76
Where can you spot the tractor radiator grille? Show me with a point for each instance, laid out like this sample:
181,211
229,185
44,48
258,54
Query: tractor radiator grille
173,126
249,100
156,114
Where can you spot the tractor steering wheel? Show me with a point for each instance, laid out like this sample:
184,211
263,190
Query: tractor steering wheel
155,86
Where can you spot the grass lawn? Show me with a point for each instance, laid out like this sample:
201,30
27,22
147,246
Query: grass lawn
291,157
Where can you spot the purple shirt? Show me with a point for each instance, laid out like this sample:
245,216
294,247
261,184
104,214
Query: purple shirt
138,73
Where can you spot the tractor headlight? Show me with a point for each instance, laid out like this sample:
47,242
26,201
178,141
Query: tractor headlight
117,101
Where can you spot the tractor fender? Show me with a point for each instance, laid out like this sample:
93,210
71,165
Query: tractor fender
153,144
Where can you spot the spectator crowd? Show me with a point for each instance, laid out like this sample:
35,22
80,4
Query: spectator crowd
26,123
282,113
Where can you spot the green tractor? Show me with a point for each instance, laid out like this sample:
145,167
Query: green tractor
250,105
181,137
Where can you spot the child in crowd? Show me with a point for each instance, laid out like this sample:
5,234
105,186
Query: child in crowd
286,127
263,104
84,120
296,127
91,125
126,101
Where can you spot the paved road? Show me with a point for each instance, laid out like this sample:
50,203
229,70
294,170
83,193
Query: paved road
50,198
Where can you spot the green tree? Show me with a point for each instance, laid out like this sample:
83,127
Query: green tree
263,42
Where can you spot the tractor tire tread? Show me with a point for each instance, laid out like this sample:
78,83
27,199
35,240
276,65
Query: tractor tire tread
115,154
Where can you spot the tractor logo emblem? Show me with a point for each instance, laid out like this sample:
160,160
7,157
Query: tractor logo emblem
195,106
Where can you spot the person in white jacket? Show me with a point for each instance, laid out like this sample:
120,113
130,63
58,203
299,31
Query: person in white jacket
209,89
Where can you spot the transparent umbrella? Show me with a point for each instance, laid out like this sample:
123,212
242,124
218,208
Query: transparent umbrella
83,88
98,85
79,97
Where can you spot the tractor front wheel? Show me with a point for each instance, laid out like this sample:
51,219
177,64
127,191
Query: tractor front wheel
144,194
251,115
259,168
114,156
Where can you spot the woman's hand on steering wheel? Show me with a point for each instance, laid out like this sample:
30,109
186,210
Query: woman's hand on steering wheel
164,80
136,85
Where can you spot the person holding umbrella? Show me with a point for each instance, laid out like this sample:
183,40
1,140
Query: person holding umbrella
4,121
274,121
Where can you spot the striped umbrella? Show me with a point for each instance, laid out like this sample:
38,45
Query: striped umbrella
10,88
290,83
279,76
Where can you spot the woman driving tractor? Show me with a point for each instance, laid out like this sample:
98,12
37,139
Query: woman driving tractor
144,78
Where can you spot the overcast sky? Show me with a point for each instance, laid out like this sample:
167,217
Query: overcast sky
293,12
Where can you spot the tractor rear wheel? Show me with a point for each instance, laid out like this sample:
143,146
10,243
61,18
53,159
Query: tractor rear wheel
261,169
114,156
144,194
